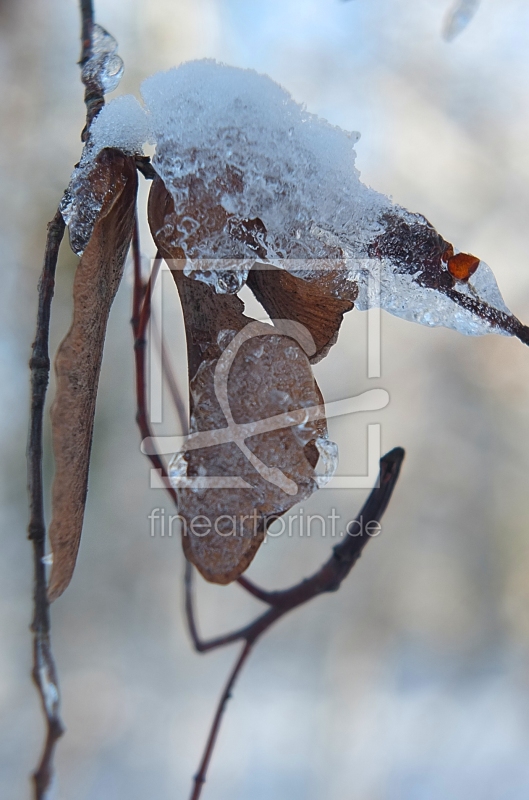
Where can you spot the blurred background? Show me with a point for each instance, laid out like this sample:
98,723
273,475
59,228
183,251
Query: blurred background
412,682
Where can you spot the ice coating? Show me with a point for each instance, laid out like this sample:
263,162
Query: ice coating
235,142
255,178
381,286
230,482
104,66
81,204
123,125
328,460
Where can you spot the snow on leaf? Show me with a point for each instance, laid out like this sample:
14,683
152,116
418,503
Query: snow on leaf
120,125
255,179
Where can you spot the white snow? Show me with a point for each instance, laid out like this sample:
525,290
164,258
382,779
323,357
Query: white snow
233,145
122,124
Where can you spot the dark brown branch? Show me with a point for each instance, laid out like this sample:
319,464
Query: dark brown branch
87,24
200,777
256,591
44,671
140,317
497,319
94,98
327,579
169,377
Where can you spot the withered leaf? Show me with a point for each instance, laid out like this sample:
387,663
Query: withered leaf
78,359
251,394
284,296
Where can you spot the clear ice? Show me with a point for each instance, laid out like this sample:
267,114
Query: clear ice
104,66
328,461
122,124
256,178
235,150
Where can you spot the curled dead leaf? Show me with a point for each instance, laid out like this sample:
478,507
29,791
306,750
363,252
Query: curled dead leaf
78,359
252,394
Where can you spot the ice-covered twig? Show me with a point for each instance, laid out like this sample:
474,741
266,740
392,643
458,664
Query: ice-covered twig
101,67
44,671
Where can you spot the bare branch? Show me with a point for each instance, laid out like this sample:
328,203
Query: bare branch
256,591
44,671
327,579
94,97
200,777
140,317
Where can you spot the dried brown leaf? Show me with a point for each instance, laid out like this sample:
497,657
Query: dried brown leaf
78,359
241,373
284,296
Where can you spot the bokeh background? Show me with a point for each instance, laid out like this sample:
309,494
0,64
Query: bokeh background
412,682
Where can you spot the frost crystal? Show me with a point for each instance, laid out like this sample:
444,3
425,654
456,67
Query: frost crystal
123,124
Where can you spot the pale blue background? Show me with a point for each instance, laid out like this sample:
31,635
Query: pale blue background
411,683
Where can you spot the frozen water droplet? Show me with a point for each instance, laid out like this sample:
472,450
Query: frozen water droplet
111,73
102,41
224,337
104,66
228,283
328,460
79,208
292,352
177,469
226,277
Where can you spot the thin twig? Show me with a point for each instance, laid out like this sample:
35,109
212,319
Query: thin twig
256,591
44,672
169,376
327,579
200,777
140,317
94,97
